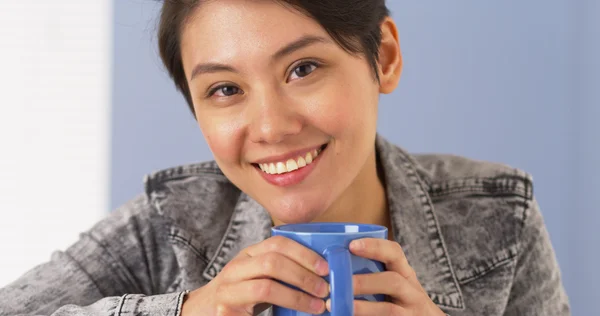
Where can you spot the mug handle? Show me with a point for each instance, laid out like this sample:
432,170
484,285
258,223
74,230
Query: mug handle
340,277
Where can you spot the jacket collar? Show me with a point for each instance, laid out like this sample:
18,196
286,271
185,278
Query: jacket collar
415,226
414,222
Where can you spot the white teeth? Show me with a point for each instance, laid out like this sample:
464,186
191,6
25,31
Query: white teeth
281,168
308,158
301,162
291,164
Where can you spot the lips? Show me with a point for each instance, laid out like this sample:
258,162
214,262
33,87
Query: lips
290,169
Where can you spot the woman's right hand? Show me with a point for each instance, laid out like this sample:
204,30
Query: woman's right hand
248,284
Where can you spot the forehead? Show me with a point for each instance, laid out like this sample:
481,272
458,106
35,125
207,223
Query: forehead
228,29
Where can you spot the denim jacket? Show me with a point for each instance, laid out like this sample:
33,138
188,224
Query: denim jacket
471,230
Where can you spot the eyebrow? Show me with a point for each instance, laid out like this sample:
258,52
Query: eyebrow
288,49
298,44
206,68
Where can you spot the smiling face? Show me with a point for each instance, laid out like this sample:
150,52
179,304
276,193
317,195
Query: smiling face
289,116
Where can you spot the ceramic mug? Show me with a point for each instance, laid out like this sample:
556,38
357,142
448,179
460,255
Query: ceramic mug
331,240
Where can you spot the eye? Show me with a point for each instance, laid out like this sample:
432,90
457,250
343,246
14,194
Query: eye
302,70
224,91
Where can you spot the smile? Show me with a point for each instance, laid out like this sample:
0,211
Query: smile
281,167
290,170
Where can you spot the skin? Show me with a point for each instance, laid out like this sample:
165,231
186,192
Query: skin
251,105
275,112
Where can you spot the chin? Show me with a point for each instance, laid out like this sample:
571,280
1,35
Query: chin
296,213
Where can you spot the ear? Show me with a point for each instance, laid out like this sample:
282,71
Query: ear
390,57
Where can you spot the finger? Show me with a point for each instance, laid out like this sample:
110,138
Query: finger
254,292
389,283
293,250
277,266
386,251
368,308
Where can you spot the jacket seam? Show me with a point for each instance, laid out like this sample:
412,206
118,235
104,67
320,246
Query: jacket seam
188,170
116,263
526,208
134,225
180,299
487,270
427,204
499,176
481,192
178,239
211,270
156,178
513,255
119,308
79,268
458,185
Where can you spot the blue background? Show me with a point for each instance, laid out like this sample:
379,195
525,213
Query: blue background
509,81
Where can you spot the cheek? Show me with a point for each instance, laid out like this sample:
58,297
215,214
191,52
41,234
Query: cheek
223,137
343,108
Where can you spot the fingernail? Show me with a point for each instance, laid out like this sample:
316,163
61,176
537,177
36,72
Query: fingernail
316,305
321,267
321,288
357,245
328,304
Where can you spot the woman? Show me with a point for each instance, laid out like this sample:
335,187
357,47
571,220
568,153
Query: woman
286,95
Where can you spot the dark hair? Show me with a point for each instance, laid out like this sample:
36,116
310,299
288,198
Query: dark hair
354,24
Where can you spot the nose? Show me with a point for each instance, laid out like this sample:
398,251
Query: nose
273,119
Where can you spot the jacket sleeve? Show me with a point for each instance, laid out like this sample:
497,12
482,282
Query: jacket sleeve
119,267
537,288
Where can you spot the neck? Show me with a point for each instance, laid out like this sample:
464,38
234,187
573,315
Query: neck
364,201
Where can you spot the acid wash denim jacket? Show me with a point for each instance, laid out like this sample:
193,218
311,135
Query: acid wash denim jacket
471,230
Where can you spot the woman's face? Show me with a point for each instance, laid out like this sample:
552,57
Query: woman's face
273,91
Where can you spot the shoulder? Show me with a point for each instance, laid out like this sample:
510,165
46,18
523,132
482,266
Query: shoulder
189,203
481,208
171,195
452,176
198,201
200,191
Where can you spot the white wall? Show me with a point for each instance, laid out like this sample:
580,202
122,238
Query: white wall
55,62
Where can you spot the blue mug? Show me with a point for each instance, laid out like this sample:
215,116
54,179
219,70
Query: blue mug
331,240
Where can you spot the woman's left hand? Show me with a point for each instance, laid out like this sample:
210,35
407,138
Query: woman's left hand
399,282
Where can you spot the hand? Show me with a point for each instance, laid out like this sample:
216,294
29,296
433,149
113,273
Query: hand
399,282
248,284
